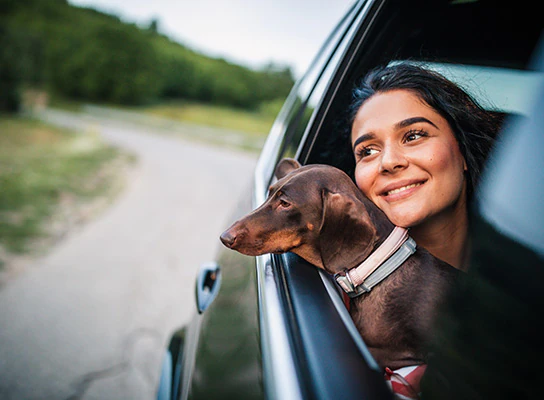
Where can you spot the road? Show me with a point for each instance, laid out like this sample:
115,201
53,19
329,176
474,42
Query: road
90,319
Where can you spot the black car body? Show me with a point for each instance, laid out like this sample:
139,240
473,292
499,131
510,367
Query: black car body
275,327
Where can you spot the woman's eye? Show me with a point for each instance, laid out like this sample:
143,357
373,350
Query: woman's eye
363,152
414,135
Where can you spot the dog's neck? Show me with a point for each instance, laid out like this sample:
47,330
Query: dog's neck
356,236
382,224
380,248
383,228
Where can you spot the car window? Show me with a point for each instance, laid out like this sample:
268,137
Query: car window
483,55
505,90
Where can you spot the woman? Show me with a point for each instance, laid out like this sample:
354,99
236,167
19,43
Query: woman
420,143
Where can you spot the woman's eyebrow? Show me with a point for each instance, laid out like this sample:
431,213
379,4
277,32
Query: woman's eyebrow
399,125
362,138
413,120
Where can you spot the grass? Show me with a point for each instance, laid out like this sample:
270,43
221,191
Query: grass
251,122
44,170
255,123
219,125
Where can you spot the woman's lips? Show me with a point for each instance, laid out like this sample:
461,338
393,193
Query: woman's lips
399,191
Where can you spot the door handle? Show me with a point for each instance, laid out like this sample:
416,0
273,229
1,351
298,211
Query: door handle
207,285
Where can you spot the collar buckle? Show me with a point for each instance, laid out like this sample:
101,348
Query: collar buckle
379,265
344,280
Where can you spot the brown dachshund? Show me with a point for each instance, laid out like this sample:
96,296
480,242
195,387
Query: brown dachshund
318,213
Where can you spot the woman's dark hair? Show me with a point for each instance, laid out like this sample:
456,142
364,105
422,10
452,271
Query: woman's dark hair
473,127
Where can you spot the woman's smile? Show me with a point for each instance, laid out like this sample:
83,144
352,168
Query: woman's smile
396,191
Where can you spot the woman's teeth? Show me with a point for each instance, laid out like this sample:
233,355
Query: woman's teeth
402,188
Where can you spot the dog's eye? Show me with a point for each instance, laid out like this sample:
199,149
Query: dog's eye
284,204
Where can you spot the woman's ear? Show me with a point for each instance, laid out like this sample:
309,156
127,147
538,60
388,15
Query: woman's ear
285,166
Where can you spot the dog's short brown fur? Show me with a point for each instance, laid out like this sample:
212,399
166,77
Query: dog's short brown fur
318,213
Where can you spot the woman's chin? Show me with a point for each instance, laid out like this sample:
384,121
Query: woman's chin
405,220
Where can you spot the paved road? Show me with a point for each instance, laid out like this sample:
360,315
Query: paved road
90,319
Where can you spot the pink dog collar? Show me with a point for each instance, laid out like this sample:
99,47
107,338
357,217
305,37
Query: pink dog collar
379,265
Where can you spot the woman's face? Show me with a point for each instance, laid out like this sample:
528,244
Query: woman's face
408,161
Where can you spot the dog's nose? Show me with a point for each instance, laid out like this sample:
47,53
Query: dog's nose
228,238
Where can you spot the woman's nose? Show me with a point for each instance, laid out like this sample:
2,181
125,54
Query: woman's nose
392,159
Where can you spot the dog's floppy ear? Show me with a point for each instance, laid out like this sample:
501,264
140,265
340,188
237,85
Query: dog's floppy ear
347,235
285,166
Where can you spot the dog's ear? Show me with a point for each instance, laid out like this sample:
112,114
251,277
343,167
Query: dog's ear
285,166
347,235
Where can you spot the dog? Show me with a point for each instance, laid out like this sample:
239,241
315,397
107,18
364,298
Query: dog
317,212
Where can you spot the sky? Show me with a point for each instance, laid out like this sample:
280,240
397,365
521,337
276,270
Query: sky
247,32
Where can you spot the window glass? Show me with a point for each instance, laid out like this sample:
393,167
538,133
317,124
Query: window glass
511,91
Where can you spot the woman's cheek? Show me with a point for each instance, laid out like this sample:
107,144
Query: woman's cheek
363,181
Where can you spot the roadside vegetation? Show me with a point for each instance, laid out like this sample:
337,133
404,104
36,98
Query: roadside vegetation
249,123
51,179
95,57
256,122
55,54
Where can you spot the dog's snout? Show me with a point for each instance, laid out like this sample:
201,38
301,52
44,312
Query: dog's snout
228,238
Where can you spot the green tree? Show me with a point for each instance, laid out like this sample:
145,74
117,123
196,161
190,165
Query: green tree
86,54
154,25
21,56
108,63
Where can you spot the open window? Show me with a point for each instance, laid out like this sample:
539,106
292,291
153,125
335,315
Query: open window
470,42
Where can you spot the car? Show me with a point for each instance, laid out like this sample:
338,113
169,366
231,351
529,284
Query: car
275,327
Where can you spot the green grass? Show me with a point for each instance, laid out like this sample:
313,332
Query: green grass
57,101
254,123
257,122
247,130
42,167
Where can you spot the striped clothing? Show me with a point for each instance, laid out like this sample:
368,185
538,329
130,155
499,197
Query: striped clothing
404,382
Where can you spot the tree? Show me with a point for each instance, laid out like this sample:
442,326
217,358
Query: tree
154,25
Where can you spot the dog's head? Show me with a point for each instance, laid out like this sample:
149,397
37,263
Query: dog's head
315,211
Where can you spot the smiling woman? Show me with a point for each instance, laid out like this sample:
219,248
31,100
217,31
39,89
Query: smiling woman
419,143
